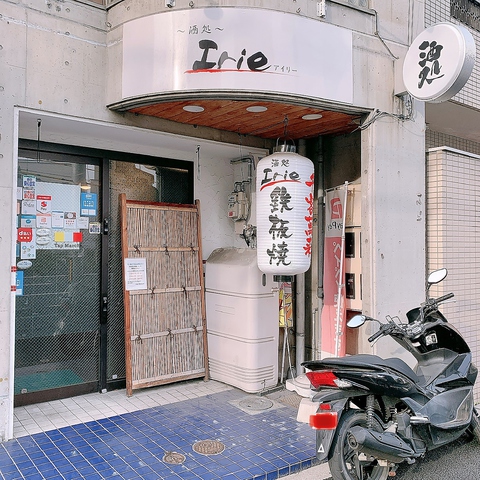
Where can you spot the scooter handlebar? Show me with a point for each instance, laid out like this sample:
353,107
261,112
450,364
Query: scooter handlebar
444,297
433,303
412,330
378,334
375,336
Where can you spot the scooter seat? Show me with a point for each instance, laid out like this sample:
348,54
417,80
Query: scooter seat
370,361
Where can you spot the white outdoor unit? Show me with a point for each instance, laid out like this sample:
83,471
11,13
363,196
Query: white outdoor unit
242,320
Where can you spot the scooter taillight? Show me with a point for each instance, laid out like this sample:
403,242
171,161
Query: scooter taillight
324,420
322,378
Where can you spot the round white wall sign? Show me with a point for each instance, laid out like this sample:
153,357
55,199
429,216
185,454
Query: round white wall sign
439,62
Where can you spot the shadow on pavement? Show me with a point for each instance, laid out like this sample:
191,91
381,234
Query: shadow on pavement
459,460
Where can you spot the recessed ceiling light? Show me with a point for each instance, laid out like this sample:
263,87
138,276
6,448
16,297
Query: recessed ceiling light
193,108
312,116
256,109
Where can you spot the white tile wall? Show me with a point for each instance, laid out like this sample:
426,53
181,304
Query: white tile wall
439,11
453,228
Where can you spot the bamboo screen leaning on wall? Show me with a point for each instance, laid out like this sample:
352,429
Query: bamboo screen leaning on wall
165,324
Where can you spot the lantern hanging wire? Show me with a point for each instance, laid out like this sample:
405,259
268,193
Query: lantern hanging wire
285,127
285,147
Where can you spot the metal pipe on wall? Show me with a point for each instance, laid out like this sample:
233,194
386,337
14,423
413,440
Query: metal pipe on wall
316,346
300,322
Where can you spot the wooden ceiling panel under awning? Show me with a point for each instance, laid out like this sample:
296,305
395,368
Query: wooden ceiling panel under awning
279,120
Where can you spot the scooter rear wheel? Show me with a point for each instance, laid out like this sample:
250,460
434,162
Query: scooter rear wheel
344,463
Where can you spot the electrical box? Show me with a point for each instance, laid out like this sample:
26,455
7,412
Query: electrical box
238,206
353,252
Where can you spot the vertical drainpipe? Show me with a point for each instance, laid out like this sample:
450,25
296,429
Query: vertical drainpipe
299,322
320,179
300,303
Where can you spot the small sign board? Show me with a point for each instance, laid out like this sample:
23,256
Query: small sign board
236,49
439,62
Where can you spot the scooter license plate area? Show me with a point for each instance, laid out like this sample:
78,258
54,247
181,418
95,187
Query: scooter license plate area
324,440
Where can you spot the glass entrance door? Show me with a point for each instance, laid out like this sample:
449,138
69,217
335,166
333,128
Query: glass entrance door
69,316
57,334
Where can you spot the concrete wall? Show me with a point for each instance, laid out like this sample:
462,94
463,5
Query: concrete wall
393,228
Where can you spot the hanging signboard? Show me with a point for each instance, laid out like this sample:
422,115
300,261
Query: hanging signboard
439,62
284,213
236,49
333,318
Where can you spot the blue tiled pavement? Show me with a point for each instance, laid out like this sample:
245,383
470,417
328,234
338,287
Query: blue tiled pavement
267,445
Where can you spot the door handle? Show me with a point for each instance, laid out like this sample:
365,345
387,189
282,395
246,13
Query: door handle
104,304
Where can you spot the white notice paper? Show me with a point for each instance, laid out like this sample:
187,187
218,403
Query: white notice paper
135,274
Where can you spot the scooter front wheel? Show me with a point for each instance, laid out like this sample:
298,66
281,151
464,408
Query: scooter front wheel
344,463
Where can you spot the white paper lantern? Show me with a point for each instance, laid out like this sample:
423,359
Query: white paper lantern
284,213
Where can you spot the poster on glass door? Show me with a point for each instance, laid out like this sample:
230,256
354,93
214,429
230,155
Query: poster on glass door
50,217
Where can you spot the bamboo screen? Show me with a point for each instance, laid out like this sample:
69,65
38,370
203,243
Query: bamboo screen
165,326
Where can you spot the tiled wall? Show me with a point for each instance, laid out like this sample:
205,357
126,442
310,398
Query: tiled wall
436,139
453,232
439,11
453,203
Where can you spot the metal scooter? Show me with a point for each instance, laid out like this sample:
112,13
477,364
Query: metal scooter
376,413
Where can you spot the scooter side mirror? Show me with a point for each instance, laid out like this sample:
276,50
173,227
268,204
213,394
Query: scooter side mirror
437,276
356,321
